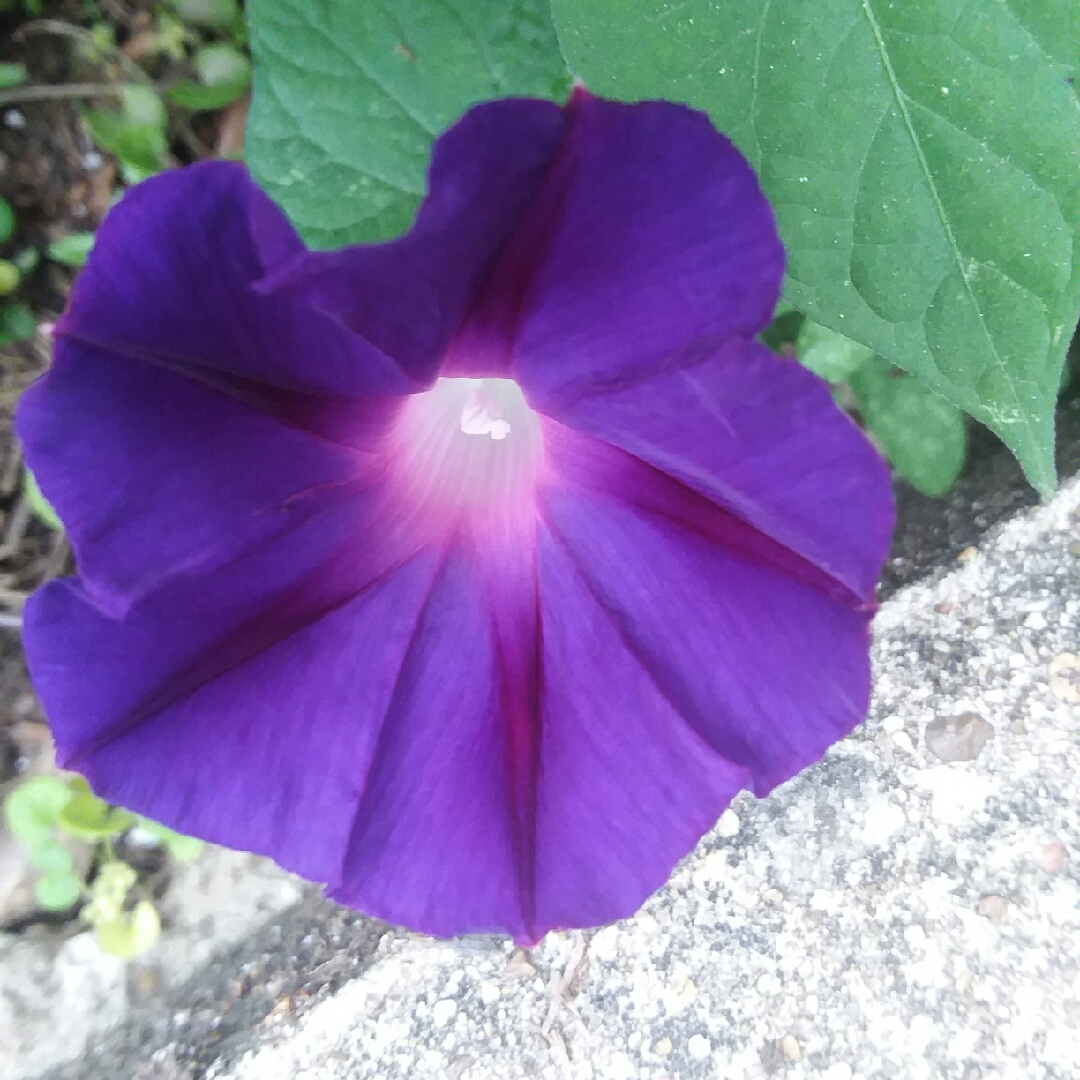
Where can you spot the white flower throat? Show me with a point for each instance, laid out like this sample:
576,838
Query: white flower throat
469,447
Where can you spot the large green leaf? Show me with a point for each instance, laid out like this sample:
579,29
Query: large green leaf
923,158
921,433
349,97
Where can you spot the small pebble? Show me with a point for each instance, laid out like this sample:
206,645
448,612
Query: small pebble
698,1047
1052,857
1074,548
967,554
728,825
774,896
662,1047
1017,726
489,993
943,608
442,1012
790,1048
1065,677
15,119
957,738
519,965
992,907
903,740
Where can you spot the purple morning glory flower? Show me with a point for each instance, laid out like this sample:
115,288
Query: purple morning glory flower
471,573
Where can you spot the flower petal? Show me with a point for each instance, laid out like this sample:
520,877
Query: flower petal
409,296
437,843
761,437
154,474
767,669
243,706
626,785
649,242
309,703
169,280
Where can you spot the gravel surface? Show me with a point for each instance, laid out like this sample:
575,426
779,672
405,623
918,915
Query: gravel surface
901,910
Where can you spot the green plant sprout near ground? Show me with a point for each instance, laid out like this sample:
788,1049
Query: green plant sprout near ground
17,322
50,816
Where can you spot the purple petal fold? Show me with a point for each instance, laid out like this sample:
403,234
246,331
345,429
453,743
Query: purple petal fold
761,437
155,474
484,172
649,245
170,282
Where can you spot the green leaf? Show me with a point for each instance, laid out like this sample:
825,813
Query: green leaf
829,354
33,807
52,857
129,935
199,98
113,880
923,159
17,323
221,15
7,221
26,261
72,250
9,277
142,105
86,817
58,890
180,847
349,97
136,135
920,432
139,145
39,505
224,74
12,75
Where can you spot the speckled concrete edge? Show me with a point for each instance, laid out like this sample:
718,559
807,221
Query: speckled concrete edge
886,914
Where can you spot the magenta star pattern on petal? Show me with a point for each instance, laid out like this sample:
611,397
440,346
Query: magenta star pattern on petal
471,573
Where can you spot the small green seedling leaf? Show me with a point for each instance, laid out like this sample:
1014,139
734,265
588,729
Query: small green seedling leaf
17,323
86,817
180,847
9,277
58,890
52,857
224,74
33,808
26,262
72,250
920,432
130,935
142,105
12,75
223,15
41,508
829,354
109,891
136,135
7,221
171,36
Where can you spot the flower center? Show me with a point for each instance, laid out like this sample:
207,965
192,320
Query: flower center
469,449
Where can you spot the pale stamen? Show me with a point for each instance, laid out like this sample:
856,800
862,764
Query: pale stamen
445,473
